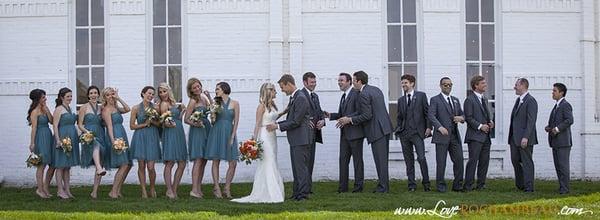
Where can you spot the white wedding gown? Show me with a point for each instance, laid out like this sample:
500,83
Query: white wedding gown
268,184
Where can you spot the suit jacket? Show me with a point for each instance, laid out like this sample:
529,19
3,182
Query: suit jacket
417,111
441,115
350,108
316,114
561,117
476,114
522,122
373,115
296,121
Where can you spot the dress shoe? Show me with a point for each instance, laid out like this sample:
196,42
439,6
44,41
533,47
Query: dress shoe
457,190
357,190
480,187
426,189
412,189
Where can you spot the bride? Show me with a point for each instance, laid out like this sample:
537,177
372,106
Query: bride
268,184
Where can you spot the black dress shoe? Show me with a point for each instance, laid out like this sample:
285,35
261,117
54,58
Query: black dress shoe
441,190
528,191
292,197
342,191
481,187
426,189
457,190
357,190
564,192
412,189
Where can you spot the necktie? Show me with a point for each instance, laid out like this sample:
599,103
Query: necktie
484,103
343,100
553,109
409,100
451,106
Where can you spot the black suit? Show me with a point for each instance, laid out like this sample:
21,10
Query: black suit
441,114
316,114
375,120
522,125
561,118
477,113
351,142
412,123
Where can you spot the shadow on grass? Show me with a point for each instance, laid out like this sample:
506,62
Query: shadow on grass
498,192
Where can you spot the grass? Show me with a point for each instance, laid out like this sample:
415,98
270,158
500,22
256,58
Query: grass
499,201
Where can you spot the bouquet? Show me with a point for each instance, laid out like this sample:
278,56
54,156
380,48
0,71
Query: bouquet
119,145
66,145
151,113
216,108
167,117
197,116
251,150
87,138
33,160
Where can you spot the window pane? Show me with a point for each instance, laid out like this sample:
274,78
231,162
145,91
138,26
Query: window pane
174,12
411,69
160,44
409,11
472,70
81,13
159,12
98,46
175,81
472,10
394,43
82,47
472,43
487,42
487,71
160,76
174,45
98,77
82,78
97,12
394,73
487,10
410,43
393,11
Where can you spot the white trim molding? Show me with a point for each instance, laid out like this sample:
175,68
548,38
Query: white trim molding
570,6
33,8
344,6
238,85
544,81
228,6
441,6
22,87
127,7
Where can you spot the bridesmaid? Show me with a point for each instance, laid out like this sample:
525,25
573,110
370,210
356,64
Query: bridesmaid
90,120
111,114
198,133
173,138
42,142
64,126
222,140
145,143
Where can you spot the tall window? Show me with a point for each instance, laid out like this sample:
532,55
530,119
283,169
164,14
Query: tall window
89,46
166,33
480,46
402,47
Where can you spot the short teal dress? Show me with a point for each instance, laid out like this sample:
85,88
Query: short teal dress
66,128
117,159
218,138
145,143
174,148
44,141
93,122
198,136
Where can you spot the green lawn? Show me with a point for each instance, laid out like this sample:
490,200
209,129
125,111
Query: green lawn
499,201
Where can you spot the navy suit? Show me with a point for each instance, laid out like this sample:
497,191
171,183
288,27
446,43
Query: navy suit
522,125
561,117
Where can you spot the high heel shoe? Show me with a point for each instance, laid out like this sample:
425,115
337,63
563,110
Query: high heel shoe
101,172
227,193
41,194
170,195
217,193
197,196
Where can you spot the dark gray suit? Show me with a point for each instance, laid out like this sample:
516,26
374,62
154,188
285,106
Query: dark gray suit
477,113
561,117
316,114
412,122
374,118
351,142
298,135
441,114
522,125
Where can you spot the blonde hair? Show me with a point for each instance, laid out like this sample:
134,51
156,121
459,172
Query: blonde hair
166,86
190,83
266,97
105,92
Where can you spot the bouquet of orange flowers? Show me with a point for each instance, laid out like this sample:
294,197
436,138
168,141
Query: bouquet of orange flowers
87,138
33,160
250,150
119,145
66,146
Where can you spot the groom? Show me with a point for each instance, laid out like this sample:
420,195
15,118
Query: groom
296,124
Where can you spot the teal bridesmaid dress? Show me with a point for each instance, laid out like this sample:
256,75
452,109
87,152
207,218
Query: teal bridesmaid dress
198,136
145,143
44,141
117,159
174,147
218,138
66,128
93,122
